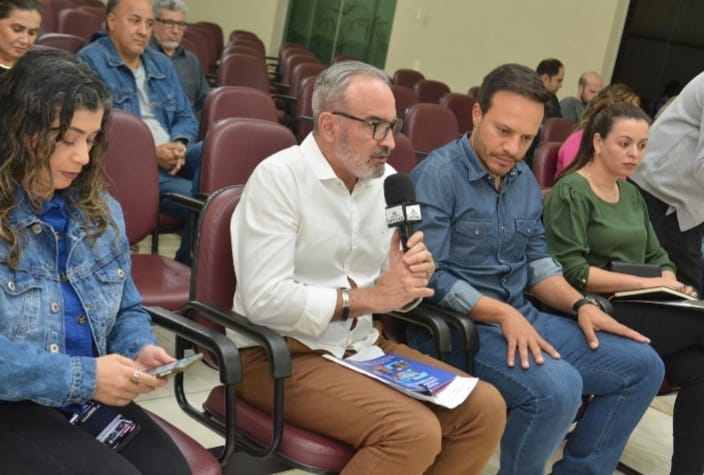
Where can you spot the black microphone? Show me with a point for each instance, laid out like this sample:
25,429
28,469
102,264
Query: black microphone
401,207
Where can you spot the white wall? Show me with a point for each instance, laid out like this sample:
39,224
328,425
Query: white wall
459,42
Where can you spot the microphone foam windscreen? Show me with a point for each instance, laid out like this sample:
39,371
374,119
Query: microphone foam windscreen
398,189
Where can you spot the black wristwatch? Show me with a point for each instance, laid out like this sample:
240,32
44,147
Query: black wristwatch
581,302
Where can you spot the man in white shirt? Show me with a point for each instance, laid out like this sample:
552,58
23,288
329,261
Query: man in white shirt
314,259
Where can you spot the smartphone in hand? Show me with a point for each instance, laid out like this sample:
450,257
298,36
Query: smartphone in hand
174,367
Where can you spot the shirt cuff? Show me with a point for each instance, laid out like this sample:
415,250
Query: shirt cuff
541,269
317,311
461,297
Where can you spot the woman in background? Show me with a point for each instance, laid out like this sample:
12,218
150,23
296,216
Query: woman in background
607,96
592,218
72,328
20,21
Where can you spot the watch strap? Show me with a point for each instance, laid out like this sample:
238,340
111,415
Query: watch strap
581,302
345,295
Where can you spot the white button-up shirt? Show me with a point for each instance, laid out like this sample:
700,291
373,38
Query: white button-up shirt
298,234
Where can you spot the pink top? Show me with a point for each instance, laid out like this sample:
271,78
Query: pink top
568,151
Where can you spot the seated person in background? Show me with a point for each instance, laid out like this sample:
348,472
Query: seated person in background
552,73
314,259
168,32
588,86
609,95
72,327
20,21
144,82
481,210
593,218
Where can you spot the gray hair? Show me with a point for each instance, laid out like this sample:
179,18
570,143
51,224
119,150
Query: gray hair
175,5
331,85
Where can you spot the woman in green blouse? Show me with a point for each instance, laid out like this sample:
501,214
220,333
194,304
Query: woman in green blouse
592,218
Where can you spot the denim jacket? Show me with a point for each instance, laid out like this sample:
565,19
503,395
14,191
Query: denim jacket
170,104
484,241
33,365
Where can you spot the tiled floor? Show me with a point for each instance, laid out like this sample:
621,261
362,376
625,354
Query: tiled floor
648,450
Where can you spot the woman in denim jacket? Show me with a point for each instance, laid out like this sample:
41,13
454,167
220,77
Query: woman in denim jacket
71,324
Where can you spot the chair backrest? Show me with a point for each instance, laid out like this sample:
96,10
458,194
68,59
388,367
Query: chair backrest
235,146
429,126
302,71
213,278
461,105
545,164
209,37
244,70
403,157
81,22
50,15
405,98
216,32
291,60
254,43
430,90
132,173
233,48
64,41
236,101
473,92
556,129
407,77
197,40
303,120
241,34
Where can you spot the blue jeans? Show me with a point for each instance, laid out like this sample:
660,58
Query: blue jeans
186,182
623,376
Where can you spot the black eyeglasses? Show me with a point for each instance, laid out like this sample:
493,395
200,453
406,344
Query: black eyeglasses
380,128
182,25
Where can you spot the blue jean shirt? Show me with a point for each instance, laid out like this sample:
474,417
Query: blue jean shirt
33,362
170,104
484,241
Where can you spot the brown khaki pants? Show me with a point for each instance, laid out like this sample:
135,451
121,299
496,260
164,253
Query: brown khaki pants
394,434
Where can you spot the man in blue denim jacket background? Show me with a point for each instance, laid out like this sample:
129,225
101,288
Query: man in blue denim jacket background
144,82
481,211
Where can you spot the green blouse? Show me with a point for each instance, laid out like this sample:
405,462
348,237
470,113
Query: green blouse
582,230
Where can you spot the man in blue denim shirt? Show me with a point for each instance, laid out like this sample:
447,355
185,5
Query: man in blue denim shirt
144,82
482,221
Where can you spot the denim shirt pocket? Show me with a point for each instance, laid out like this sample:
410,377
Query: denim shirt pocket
121,96
21,307
165,102
472,241
101,285
524,229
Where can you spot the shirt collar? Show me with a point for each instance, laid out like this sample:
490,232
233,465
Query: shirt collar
476,170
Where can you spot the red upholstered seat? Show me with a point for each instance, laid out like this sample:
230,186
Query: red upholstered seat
545,164
403,157
430,90
556,129
404,97
430,126
461,105
236,101
407,77
200,461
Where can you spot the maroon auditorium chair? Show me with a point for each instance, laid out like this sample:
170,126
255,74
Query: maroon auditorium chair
258,433
131,169
429,126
